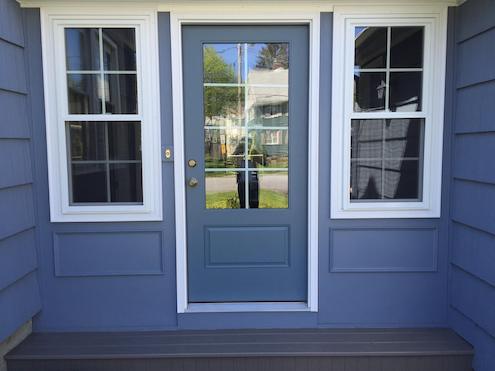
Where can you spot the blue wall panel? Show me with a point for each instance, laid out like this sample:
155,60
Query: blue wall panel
472,237
19,291
396,292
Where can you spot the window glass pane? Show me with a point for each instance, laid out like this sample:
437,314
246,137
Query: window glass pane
386,158
89,183
406,47
224,147
367,139
126,182
124,140
84,93
370,47
269,189
223,106
87,141
369,91
268,106
268,148
268,63
82,49
401,179
405,91
403,138
366,180
119,49
222,63
222,189
121,94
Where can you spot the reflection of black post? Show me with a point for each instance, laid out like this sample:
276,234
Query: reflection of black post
253,189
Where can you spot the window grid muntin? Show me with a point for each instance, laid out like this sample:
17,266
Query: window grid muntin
103,117
384,159
245,127
389,69
107,162
387,114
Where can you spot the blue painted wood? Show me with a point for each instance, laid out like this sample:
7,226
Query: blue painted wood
470,204
475,70
17,257
19,302
474,251
107,254
14,122
474,298
12,73
106,302
17,210
247,282
475,17
389,299
475,110
15,162
247,250
384,250
11,23
372,298
472,289
19,292
473,160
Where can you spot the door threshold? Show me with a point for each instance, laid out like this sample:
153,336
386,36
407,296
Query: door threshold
248,307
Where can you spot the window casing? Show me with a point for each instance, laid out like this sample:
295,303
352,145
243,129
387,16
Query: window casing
387,119
102,117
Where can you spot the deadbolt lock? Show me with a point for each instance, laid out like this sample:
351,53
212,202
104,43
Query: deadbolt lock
191,163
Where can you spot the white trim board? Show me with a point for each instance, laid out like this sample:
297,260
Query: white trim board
226,5
56,113
176,22
434,21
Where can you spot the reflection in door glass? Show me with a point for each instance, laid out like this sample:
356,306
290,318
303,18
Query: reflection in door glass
246,125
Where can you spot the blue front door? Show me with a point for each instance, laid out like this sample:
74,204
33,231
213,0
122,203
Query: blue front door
246,145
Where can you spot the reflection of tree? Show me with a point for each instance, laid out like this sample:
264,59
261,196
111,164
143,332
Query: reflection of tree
219,101
273,56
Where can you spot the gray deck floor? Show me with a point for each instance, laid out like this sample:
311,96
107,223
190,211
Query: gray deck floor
301,349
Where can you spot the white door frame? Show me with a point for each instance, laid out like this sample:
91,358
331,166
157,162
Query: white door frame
203,16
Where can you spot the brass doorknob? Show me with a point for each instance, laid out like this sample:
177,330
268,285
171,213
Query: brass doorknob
192,182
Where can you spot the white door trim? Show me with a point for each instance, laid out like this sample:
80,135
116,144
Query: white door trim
242,17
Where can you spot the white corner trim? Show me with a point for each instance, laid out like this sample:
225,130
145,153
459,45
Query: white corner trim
177,19
55,91
434,18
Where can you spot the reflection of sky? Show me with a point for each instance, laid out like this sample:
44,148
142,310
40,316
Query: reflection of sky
229,53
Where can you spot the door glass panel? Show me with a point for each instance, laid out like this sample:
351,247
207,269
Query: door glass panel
221,189
224,148
246,115
271,189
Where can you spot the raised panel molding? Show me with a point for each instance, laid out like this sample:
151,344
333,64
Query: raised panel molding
405,249
247,246
90,254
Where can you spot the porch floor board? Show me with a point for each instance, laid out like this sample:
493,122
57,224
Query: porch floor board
294,349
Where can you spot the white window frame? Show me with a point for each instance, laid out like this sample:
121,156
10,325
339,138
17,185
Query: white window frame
53,22
434,20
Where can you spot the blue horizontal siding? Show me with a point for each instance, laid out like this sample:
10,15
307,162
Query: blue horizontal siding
17,257
15,162
472,232
10,27
19,290
19,302
12,71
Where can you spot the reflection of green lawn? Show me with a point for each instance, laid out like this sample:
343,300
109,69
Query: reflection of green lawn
230,200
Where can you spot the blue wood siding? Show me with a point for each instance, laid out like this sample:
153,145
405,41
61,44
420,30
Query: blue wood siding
19,292
472,231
